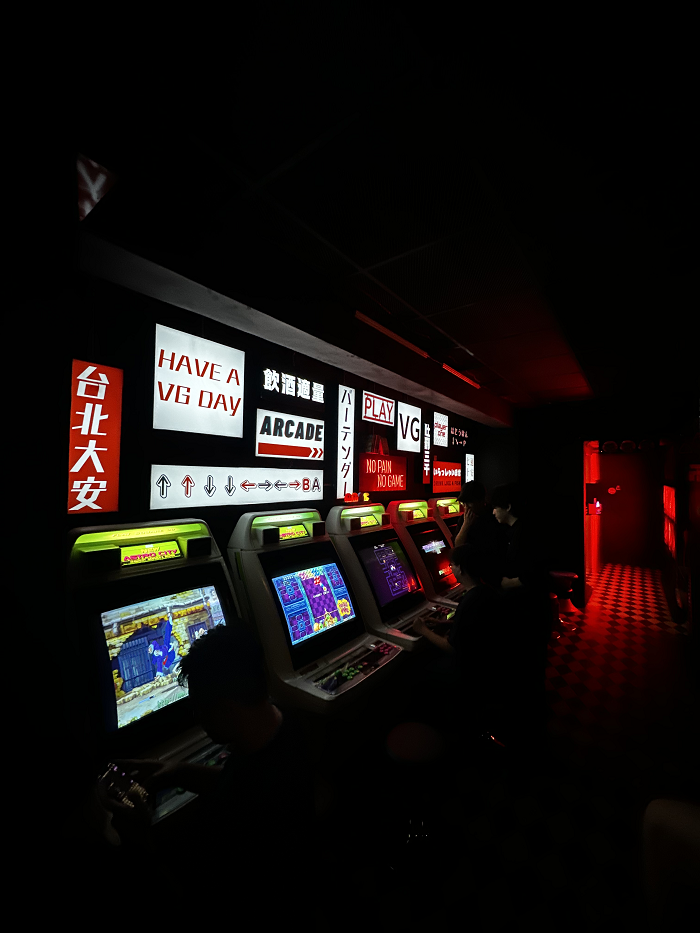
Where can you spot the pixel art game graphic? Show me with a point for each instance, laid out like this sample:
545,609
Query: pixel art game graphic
313,601
146,642
389,571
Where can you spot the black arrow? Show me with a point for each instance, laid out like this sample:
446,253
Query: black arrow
210,488
267,485
163,482
279,485
229,487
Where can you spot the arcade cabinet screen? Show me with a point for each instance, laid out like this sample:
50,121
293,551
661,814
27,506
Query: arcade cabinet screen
435,554
389,571
313,601
289,532
367,520
146,642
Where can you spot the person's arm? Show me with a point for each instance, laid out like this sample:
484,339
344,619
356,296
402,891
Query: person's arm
464,530
437,640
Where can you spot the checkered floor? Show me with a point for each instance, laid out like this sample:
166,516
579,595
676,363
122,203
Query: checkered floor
555,844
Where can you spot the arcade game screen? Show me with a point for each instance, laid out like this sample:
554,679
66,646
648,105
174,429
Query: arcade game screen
434,551
313,600
389,571
146,642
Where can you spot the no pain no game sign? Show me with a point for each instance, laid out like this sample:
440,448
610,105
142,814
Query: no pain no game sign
198,385
174,486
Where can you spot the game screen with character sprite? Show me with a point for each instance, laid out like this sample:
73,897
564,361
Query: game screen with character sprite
146,642
313,601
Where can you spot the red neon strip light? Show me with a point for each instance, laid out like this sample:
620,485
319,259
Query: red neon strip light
460,376
390,333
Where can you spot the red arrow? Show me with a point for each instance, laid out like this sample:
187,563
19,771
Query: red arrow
295,485
246,484
188,483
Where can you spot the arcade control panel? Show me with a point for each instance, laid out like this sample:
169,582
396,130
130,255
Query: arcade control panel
173,798
439,621
359,664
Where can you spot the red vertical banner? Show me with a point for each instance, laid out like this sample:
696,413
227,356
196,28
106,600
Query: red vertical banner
94,437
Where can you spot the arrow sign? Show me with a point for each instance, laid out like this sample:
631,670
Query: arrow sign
210,488
229,487
247,485
188,483
163,483
318,452
279,485
295,485
267,485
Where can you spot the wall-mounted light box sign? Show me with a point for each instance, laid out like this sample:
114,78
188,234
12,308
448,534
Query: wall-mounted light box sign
198,385
468,468
174,486
447,477
426,452
295,386
377,408
94,438
346,440
440,429
408,427
282,435
381,473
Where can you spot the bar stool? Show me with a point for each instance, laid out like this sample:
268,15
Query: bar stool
561,601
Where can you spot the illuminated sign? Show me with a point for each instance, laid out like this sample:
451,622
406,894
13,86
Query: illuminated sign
408,427
458,437
377,408
447,477
288,532
440,428
198,385
346,440
381,473
175,487
292,385
367,520
280,435
94,437
146,553
468,468
426,452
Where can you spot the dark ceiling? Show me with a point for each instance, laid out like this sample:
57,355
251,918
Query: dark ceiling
520,216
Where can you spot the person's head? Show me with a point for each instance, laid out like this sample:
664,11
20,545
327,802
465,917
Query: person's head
225,674
473,494
505,502
466,563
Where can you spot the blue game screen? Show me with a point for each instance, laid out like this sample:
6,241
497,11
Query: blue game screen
313,601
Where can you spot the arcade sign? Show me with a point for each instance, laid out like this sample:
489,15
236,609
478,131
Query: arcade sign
440,428
408,427
447,477
377,408
197,385
382,473
282,435
175,487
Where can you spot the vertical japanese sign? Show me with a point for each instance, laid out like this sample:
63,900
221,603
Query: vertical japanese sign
94,437
440,428
346,439
426,452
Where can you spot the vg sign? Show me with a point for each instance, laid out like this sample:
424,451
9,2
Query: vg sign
408,428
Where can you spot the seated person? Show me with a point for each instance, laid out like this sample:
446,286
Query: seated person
477,640
258,807
481,530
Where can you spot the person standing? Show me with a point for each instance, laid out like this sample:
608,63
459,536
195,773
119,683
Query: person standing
481,530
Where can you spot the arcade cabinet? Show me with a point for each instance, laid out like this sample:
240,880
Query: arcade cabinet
427,547
292,585
386,585
449,514
139,596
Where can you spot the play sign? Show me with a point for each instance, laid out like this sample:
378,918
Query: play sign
281,435
377,408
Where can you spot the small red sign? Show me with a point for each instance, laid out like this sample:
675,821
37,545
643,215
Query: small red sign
94,438
382,473
447,477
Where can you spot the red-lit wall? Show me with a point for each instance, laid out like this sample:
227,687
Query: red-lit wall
632,517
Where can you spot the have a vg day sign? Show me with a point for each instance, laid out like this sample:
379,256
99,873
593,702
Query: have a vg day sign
198,385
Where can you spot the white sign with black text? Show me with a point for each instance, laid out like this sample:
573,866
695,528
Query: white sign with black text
469,468
174,487
281,435
377,408
440,428
408,427
346,440
198,385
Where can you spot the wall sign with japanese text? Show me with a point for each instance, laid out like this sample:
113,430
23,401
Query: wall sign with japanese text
377,408
468,468
458,437
381,473
295,386
174,486
346,440
282,435
440,429
94,438
198,385
426,452
447,477
408,427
